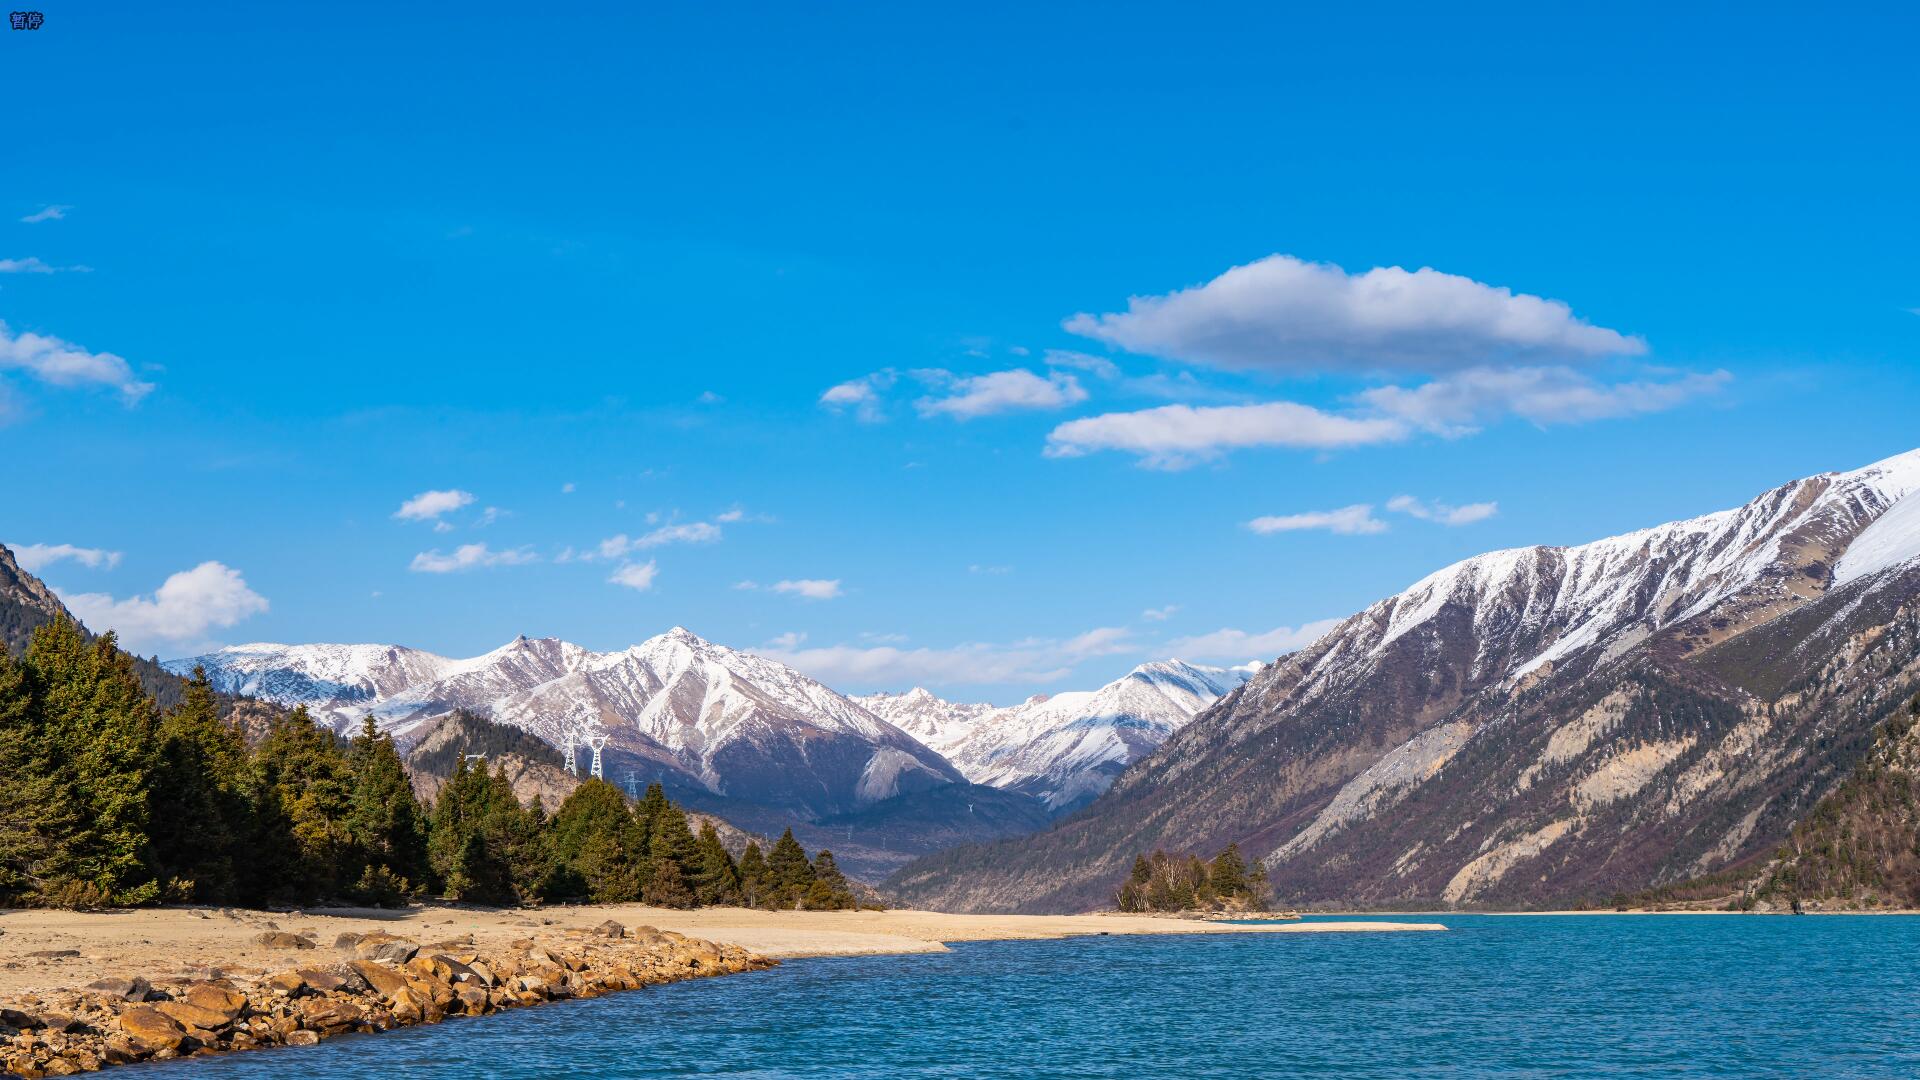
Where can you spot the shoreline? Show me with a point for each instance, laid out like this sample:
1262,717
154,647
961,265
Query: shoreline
81,991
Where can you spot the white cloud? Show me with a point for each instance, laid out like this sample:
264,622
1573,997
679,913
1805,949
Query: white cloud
809,588
885,665
637,576
183,609
46,213
566,488
1285,314
983,568
788,640
490,515
28,265
1459,404
731,516
1096,365
469,557
708,397
1229,644
1441,512
620,544
1356,520
1160,614
1176,436
431,504
63,363
860,396
1004,391
36,557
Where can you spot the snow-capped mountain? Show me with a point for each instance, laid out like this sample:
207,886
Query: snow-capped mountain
1064,748
1532,725
734,725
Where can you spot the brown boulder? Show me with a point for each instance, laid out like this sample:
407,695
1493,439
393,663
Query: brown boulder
151,1029
134,989
302,1037
325,982
290,983
384,980
217,999
330,1014
187,1014
610,929
280,939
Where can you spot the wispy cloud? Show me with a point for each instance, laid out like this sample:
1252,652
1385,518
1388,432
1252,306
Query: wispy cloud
1160,614
1285,314
429,505
1356,520
37,557
46,213
1177,436
62,363
890,666
1462,403
1441,512
974,396
184,608
809,588
860,397
469,557
1230,644
638,576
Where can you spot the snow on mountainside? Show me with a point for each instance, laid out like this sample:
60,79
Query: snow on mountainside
730,723
1065,748
1532,725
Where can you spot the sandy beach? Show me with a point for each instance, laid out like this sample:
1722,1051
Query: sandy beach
45,950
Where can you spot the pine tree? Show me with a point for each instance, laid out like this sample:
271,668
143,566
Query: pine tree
99,728
386,821
674,859
201,808
484,845
303,786
754,883
789,874
829,890
37,819
718,879
598,845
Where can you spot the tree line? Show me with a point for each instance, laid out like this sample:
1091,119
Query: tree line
1162,882
108,800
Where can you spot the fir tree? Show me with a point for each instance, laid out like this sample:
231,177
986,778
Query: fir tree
201,808
484,845
37,820
829,890
718,879
303,786
598,845
386,821
754,884
99,728
789,874
674,859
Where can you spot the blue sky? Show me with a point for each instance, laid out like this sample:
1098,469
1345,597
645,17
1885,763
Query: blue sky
889,304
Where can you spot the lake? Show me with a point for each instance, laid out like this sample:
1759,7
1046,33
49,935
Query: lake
1531,996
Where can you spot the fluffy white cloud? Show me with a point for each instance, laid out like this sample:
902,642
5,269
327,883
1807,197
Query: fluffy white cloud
637,576
860,396
1004,391
1356,520
809,588
1176,436
1160,614
1285,314
62,363
1441,512
1229,644
183,609
1461,403
37,557
429,505
889,666
46,213
469,557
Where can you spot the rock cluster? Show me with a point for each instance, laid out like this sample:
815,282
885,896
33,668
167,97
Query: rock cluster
377,982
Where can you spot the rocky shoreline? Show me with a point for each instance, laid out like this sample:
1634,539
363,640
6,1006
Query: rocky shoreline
371,982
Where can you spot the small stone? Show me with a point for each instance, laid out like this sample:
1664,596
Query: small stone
610,929
303,1037
279,939
134,989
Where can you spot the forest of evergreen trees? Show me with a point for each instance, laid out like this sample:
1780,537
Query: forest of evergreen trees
107,800
1161,882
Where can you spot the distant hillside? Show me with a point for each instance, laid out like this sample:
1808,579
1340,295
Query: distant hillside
26,604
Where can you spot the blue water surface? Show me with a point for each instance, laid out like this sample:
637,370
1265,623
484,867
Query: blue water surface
1503,996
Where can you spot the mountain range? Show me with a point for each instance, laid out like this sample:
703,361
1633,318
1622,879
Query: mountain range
880,778
1534,726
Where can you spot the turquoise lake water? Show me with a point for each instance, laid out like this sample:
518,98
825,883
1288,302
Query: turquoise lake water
1547,996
